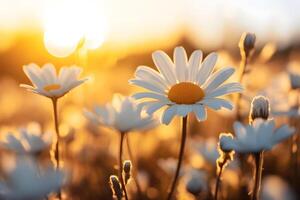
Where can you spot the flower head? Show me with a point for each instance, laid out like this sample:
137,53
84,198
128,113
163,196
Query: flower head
122,114
196,182
184,86
27,142
28,182
260,108
48,83
259,136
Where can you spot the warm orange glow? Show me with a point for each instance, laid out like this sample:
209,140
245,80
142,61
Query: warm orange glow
185,93
52,87
67,23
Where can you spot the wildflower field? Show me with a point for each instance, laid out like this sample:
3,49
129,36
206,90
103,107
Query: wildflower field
149,100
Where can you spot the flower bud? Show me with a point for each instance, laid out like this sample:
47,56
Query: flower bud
127,170
116,187
226,155
247,43
260,108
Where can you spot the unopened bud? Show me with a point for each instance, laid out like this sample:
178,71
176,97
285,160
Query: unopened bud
226,154
247,43
260,108
116,187
127,170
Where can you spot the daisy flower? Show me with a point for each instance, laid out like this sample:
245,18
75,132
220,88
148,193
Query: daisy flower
48,83
122,114
27,143
187,85
259,136
28,181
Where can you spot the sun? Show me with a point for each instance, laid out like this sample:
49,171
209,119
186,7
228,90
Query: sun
67,22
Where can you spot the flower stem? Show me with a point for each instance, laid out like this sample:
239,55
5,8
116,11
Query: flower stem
134,171
180,157
56,151
258,174
218,182
121,165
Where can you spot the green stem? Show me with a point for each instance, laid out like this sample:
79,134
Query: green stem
121,165
180,157
258,174
56,151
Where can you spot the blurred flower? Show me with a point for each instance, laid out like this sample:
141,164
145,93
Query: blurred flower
32,143
260,108
169,165
208,149
196,181
259,136
184,86
48,83
275,188
295,79
122,114
27,181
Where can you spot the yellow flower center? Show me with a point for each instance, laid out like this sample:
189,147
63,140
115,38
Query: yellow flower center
185,93
48,88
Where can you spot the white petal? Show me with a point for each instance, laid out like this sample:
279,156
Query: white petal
183,110
194,65
282,133
218,78
165,66
200,112
168,114
154,106
225,89
33,73
216,103
150,95
149,74
180,61
206,68
239,130
147,85
48,72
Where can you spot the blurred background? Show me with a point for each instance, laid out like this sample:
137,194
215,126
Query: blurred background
109,39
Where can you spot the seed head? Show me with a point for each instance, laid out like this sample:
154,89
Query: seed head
260,108
116,187
247,43
127,170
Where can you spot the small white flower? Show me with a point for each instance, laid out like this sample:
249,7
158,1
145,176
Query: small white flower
259,136
184,86
122,114
27,142
27,181
48,83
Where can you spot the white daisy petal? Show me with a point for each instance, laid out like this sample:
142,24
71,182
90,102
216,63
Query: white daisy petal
194,65
218,78
149,74
200,112
150,95
216,103
282,133
183,110
206,68
147,85
168,114
32,72
48,72
180,61
165,66
150,109
227,88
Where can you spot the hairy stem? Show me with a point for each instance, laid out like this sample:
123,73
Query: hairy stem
218,182
180,157
56,151
121,165
258,175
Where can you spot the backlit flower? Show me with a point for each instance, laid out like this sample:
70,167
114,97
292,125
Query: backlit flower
259,136
27,181
48,83
184,86
27,142
122,114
